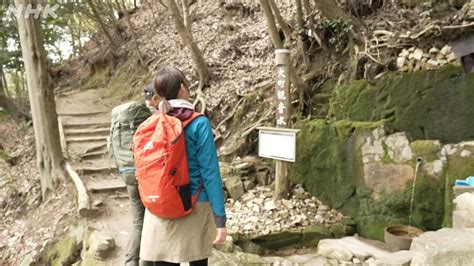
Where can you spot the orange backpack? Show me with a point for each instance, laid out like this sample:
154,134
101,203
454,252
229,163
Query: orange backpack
161,166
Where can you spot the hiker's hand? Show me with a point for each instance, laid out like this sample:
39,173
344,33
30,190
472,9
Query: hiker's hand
221,236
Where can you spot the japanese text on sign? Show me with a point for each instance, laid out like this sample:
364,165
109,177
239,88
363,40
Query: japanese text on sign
281,96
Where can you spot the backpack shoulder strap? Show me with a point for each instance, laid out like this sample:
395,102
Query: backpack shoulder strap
191,118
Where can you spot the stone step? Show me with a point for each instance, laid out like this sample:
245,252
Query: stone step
93,155
88,131
96,148
84,125
86,170
86,139
83,113
105,185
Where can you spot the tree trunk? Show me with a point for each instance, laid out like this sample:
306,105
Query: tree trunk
187,23
102,25
295,79
270,19
18,86
198,59
300,31
73,41
7,103
281,21
134,35
4,80
309,13
50,159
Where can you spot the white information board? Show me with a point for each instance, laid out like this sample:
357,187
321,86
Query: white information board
277,143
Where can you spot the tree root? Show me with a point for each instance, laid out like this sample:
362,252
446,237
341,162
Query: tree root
216,130
83,203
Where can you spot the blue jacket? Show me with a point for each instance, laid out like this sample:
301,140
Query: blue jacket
203,164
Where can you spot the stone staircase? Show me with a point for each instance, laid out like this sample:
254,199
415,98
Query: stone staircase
84,127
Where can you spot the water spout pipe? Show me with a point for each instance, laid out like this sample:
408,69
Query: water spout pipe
419,161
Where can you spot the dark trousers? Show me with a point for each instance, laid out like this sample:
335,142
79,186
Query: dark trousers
164,263
132,255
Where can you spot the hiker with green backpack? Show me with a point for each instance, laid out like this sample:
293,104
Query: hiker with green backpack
125,120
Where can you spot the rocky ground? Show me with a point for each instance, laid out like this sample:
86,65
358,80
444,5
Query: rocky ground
257,213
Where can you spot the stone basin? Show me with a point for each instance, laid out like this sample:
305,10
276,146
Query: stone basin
401,236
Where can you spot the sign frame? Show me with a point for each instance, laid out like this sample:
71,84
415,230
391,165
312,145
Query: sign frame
277,131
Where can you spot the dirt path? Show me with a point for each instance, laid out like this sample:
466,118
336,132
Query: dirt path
86,119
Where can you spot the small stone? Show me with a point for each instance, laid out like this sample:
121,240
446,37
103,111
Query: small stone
319,218
234,186
100,244
418,66
411,64
288,203
433,62
418,54
242,166
401,62
248,185
256,209
323,208
270,205
248,227
284,214
237,205
442,62
411,49
370,261
259,201
249,204
452,57
440,56
445,50
434,50
404,53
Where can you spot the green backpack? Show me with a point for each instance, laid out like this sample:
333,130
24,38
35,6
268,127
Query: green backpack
125,120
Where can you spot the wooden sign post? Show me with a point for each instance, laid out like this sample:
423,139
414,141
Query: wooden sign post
283,118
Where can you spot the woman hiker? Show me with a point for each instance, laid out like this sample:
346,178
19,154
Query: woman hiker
189,238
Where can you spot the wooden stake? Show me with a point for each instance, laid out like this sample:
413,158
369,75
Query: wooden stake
283,117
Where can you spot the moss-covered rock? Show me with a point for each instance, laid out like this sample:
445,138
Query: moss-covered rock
296,237
428,105
65,252
279,240
328,158
331,166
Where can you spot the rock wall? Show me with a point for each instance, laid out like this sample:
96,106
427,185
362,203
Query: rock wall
426,104
363,162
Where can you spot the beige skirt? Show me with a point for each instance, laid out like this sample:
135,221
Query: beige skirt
178,240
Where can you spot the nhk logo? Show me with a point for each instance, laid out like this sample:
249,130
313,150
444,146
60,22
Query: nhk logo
32,10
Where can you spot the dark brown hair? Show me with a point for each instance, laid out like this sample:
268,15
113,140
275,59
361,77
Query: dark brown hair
168,81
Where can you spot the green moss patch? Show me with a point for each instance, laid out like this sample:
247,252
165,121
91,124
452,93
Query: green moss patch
427,149
427,104
64,252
